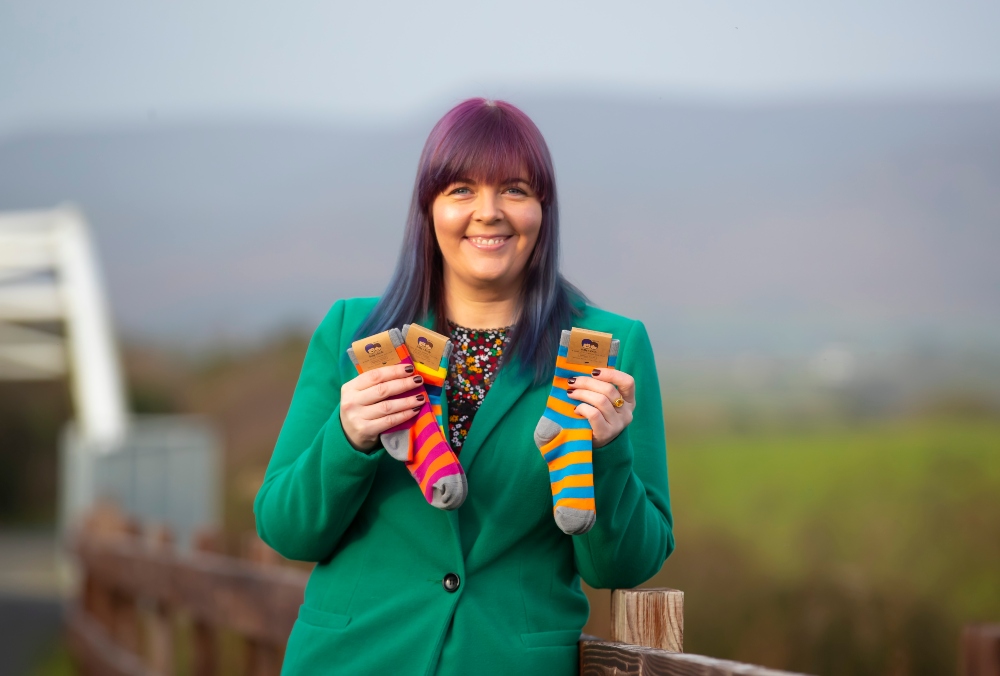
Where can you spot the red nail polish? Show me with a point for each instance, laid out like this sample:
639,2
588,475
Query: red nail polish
570,391
596,372
417,408
418,379
420,397
571,380
409,369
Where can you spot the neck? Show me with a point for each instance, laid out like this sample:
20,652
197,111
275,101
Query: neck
475,307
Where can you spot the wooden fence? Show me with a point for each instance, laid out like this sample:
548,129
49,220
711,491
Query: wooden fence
146,610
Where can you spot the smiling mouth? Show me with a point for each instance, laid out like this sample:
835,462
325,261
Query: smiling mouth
488,243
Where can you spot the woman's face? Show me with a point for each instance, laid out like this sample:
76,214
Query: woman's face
487,232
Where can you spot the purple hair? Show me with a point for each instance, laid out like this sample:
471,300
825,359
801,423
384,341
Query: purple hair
489,142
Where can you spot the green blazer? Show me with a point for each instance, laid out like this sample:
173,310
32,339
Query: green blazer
376,603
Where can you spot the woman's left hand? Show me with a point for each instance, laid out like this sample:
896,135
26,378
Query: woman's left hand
598,395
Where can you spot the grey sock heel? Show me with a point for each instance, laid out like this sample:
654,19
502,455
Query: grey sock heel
546,430
575,521
397,443
450,491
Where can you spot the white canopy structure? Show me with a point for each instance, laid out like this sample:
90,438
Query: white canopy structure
162,468
49,273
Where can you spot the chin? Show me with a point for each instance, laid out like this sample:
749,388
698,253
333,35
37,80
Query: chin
489,275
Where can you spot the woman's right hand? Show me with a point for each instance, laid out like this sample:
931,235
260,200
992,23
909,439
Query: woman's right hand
366,410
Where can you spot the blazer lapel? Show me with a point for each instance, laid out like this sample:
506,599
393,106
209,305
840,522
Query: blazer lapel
510,384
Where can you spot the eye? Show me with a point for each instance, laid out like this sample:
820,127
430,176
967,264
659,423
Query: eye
519,189
460,190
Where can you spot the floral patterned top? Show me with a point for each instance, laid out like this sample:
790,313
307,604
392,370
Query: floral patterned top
473,368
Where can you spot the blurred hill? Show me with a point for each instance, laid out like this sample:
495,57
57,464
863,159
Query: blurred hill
773,228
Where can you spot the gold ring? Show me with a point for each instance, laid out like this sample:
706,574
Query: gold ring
618,403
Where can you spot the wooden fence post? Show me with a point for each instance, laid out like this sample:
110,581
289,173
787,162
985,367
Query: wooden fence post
981,650
124,610
161,628
263,659
204,649
653,618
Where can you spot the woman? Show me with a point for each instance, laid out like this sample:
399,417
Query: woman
492,587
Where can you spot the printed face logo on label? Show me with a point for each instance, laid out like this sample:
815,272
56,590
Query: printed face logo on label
588,348
425,346
375,351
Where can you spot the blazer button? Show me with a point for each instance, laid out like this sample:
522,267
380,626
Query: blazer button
451,582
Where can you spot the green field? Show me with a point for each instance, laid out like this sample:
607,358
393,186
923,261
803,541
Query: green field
840,550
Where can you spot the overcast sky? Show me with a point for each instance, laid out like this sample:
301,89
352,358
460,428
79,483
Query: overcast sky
110,63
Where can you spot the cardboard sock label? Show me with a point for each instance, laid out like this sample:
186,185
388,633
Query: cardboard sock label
588,348
425,346
375,351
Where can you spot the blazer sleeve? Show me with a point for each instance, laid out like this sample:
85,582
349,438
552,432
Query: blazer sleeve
633,534
315,481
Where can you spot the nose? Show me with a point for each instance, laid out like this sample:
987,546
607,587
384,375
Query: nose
488,207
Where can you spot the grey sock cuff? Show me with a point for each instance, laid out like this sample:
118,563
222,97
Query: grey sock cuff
354,358
613,352
406,329
564,339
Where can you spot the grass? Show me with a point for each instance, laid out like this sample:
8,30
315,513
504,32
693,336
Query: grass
838,549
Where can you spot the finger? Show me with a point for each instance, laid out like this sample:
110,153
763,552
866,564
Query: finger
382,424
597,400
621,380
381,409
381,375
387,388
595,385
596,419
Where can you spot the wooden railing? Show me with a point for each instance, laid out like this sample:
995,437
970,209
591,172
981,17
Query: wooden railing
981,650
143,605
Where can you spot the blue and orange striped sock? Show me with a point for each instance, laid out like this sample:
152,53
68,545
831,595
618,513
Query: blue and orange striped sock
421,446
566,440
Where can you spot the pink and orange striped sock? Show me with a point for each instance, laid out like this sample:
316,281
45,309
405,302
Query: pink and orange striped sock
434,379
421,446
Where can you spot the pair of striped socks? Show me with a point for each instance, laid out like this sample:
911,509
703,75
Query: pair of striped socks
420,442
565,440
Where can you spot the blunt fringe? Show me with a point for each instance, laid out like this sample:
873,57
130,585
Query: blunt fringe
487,141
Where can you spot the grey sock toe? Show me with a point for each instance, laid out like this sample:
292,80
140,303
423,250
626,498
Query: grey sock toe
575,521
397,444
450,491
545,431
